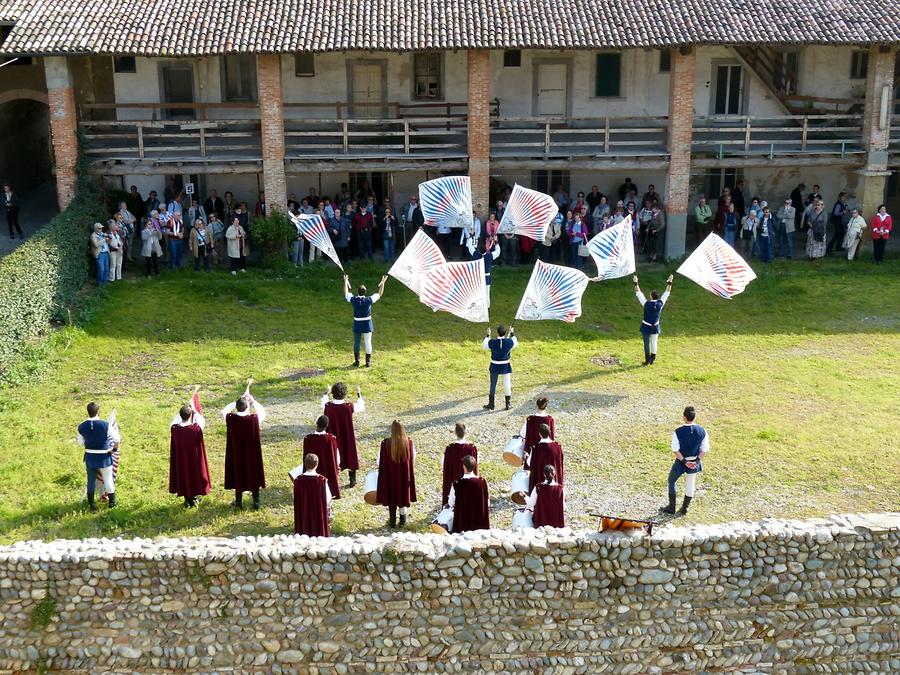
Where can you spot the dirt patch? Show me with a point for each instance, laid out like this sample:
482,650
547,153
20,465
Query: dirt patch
302,374
602,327
605,361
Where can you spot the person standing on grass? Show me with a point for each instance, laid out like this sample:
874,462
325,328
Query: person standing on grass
116,251
690,443
312,499
396,474
99,439
188,468
469,500
815,235
100,250
236,237
244,468
547,501
881,231
546,451
201,244
150,248
340,420
453,460
362,317
501,350
175,237
650,323
328,455
388,234
11,204
855,227
784,231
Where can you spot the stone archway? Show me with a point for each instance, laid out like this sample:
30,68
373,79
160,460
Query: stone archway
16,94
25,149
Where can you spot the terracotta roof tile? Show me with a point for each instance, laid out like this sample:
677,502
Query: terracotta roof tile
192,28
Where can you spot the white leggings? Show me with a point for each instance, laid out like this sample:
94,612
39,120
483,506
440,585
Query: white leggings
654,342
690,482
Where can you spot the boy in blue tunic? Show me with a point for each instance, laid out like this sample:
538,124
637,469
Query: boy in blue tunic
99,442
690,443
362,317
650,323
500,348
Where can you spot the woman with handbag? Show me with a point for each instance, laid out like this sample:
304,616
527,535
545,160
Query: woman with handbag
578,237
815,235
881,230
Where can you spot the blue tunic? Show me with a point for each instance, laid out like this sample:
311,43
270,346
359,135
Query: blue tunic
362,313
96,450
501,350
652,310
690,439
488,257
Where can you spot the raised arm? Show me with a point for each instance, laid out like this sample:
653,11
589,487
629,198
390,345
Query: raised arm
258,409
668,291
487,339
346,285
381,285
637,290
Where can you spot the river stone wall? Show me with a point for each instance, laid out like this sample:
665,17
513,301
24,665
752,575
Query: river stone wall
776,596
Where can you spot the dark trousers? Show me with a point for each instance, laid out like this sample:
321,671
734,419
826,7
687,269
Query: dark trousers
364,244
12,220
879,245
237,263
836,243
677,470
201,255
151,261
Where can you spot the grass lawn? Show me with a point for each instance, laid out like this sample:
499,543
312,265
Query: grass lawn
796,381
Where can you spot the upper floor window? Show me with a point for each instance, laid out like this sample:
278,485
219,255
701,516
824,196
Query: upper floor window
305,64
608,75
512,58
428,75
239,77
859,65
665,60
124,64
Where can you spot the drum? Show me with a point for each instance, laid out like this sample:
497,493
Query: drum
514,452
519,487
522,520
443,524
371,487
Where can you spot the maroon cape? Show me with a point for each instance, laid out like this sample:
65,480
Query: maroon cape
453,468
244,469
340,422
310,508
533,432
396,480
548,510
188,469
542,455
472,508
325,447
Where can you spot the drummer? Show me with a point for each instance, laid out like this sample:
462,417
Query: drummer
547,501
531,428
453,456
546,451
469,500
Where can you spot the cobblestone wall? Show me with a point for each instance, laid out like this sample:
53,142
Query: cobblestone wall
783,596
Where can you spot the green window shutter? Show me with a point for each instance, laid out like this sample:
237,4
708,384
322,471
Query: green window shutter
609,75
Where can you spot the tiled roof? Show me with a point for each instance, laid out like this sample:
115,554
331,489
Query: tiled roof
200,27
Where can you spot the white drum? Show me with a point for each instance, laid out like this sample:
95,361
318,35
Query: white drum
514,452
443,524
371,487
519,486
522,520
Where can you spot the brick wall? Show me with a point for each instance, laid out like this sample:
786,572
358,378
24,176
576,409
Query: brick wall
479,72
778,596
271,116
876,137
63,126
681,121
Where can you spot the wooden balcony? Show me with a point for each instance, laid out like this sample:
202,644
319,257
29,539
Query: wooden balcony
894,147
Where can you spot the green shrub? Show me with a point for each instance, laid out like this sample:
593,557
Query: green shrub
272,236
40,279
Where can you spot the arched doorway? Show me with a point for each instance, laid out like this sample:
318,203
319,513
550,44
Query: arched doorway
25,150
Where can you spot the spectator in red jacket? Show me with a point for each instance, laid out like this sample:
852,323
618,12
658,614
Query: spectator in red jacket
363,224
881,231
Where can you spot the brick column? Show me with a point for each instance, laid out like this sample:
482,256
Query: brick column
479,122
63,126
271,123
681,123
876,129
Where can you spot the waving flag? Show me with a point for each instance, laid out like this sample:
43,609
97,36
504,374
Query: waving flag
718,268
528,213
553,292
312,227
613,251
458,288
419,256
447,201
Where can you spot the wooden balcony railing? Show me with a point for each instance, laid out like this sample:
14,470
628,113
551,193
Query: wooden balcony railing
894,145
773,137
578,137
